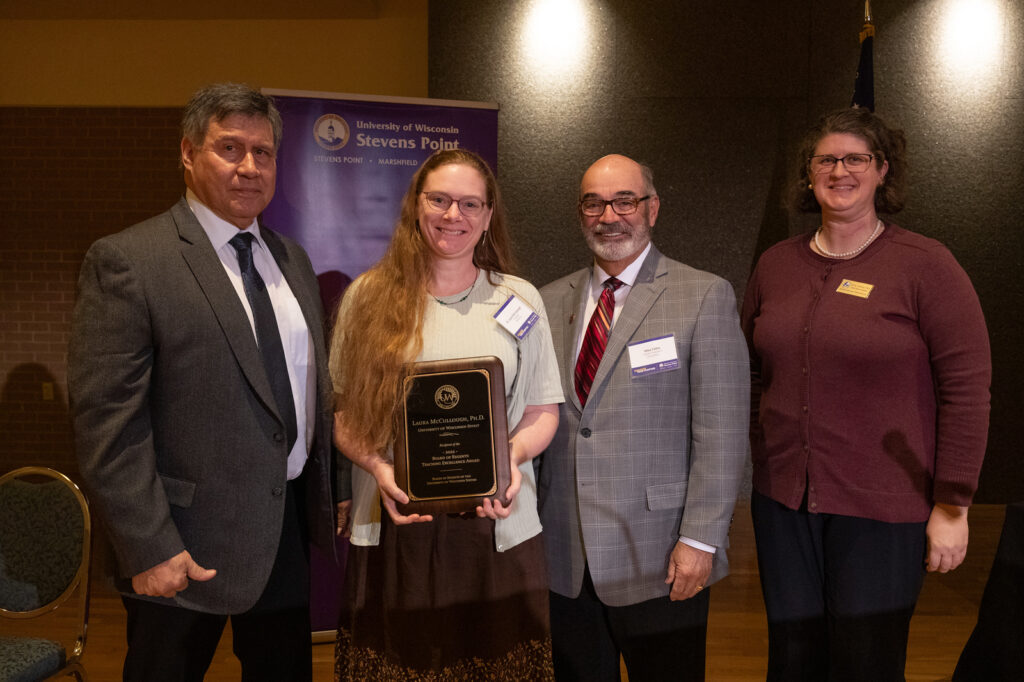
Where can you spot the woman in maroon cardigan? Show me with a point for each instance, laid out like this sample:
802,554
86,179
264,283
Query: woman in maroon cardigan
870,353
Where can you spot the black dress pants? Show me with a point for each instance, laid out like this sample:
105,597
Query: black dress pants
995,650
659,639
839,592
167,643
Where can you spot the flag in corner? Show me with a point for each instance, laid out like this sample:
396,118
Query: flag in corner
864,86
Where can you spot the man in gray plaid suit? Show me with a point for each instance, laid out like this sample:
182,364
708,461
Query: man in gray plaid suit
638,486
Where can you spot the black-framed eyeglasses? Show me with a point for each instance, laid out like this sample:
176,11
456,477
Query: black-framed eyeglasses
826,163
468,206
593,207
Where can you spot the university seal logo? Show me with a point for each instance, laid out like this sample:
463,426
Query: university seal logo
446,397
331,132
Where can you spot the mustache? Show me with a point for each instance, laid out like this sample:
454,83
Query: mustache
619,227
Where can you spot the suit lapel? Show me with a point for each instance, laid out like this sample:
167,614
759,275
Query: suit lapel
306,299
647,288
292,275
298,272
198,253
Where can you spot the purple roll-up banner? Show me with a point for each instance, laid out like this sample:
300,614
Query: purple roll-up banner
344,163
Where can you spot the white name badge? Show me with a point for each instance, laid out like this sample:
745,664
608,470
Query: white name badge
517,317
653,356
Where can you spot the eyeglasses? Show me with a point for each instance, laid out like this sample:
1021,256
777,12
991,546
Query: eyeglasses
621,205
468,206
854,163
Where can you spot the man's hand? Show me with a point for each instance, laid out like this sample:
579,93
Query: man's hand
344,519
947,538
688,571
170,577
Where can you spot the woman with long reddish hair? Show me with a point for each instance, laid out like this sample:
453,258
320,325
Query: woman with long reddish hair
443,596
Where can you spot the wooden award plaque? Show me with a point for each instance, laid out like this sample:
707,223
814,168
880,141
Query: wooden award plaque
451,448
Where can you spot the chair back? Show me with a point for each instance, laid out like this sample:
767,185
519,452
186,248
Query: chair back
45,540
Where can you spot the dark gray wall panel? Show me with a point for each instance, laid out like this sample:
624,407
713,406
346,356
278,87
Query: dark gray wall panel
715,97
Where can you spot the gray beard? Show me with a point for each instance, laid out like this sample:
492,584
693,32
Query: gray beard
638,239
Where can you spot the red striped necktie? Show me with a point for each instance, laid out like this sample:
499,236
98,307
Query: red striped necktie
595,339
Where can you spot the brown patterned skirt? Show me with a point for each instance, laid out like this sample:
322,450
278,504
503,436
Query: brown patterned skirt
435,601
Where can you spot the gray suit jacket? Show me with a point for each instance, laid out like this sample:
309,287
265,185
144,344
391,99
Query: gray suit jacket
177,433
650,458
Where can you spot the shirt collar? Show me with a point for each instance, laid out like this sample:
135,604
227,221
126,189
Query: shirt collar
627,276
216,228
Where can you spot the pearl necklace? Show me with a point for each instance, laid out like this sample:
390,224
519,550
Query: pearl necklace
848,254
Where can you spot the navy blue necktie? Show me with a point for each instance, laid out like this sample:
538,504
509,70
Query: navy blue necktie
267,335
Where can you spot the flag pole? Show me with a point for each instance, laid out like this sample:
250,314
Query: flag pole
868,31
864,85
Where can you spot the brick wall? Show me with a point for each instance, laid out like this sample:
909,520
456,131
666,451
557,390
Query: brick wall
67,177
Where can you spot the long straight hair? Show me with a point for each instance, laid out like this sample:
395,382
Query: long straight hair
379,325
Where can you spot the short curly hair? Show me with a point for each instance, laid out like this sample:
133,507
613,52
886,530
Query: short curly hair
887,144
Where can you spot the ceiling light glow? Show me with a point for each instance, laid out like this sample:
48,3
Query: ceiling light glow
555,35
972,37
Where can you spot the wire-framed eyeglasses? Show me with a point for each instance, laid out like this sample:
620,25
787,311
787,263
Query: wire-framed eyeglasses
468,206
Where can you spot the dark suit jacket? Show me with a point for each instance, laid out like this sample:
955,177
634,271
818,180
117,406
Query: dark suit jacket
649,458
178,437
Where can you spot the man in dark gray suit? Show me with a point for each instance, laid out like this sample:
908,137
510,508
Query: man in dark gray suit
202,408
638,486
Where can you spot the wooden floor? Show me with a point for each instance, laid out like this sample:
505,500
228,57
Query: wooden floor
737,635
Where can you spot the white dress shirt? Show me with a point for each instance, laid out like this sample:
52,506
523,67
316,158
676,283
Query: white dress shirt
597,279
295,338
